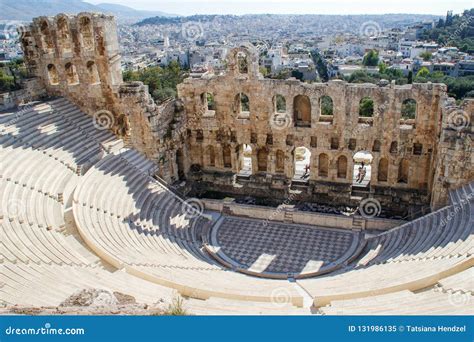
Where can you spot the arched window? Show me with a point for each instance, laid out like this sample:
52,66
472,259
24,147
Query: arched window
326,105
211,105
280,161
302,111
242,103
71,74
53,75
394,147
212,155
366,107
377,146
279,104
382,175
63,34
46,37
199,135
408,109
87,34
417,149
342,167
207,101
227,157
323,165
242,62
262,157
93,72
403,170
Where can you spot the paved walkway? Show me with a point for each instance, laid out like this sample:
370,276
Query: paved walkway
277,249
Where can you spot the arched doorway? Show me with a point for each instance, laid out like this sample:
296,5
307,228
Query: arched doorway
262,159
302,160
362,171
245,160
180,164
302,111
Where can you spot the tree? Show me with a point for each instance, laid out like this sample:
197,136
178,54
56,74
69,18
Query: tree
161,82
360,76
280,104
423,72
297,74
282,75
366,107
327,106
371,58
410,77
408,109
321,66
7,82
161,95
426,55
382,67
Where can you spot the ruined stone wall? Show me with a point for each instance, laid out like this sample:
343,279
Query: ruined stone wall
31,89
455,158
158,131
201,136
76,57
385,135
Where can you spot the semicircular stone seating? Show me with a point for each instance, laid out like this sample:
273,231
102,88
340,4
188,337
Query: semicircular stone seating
128,233
414,256
44,148
139,225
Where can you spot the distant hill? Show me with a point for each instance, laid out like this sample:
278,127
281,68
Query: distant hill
388,20
127,12
25,10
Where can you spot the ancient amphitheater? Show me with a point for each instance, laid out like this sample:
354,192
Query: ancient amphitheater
96,183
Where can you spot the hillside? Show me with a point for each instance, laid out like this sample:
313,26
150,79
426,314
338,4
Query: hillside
25,10
455,30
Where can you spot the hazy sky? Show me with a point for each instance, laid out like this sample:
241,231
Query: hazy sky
189,7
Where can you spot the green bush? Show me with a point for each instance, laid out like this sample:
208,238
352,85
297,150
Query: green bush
371,58
162,82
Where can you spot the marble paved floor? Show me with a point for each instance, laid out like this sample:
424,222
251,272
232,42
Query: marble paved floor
280,248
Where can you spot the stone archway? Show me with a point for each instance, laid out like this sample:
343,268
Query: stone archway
302,164
245,159
362,170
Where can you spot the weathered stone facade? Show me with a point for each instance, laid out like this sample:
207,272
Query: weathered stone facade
408,150
200,137
78,57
